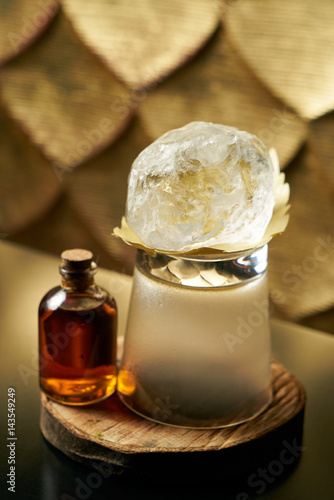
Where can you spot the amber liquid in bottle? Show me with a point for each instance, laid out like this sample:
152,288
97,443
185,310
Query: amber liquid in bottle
77,341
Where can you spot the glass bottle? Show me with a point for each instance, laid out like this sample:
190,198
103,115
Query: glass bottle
197,346
77,335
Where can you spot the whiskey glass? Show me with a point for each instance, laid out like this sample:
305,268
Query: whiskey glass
197,347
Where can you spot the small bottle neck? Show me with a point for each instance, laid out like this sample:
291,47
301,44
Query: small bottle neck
77,269
79,281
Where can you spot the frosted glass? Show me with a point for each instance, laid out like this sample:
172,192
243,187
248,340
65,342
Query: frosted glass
196,357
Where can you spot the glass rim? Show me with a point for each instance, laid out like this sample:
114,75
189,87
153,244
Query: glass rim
218,273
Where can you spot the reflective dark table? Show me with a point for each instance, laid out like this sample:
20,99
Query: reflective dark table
42,472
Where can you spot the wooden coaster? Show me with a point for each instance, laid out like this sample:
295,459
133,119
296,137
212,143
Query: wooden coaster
109,437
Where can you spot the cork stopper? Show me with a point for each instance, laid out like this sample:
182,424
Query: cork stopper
77,260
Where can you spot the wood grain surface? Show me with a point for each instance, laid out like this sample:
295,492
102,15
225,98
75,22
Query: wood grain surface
109,434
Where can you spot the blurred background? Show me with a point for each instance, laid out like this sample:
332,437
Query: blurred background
85,86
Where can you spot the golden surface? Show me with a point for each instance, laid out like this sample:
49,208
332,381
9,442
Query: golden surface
218,87
65,99
28,185
301,261
22,22
322,138
62,228
100,198
274,57
143,41
290,46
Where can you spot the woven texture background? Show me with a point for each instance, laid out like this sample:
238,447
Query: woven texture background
85,86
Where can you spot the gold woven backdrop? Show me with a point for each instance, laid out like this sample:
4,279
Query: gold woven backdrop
85,86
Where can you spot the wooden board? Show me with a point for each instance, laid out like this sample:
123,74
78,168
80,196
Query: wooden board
109,436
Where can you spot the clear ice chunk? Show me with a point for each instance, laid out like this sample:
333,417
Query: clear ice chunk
204,184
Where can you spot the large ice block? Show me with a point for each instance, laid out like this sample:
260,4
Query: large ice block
201,185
